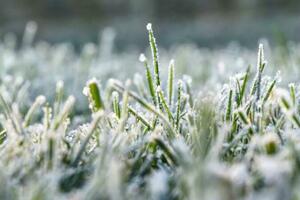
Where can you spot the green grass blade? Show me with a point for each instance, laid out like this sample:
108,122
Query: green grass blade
170,82
149,79
116,105
165,105
93,92
178,103
269,90
139,117
243,87
229,106
154,51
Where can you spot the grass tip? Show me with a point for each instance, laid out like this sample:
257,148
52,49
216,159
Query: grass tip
180,83
149,26
71,99
86,89
158,89
59,84
291,84
172,62
41,99
92,80
127,83
142,58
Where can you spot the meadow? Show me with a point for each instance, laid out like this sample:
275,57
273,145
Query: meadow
179,123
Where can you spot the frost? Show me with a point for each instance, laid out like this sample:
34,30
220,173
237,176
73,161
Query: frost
41,99
149,26
142,58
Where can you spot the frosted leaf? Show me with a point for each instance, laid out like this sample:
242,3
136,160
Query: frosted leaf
291,84
86,89
261,52
19,80
69,103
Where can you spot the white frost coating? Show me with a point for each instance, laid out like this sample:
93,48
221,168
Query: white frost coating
238,174
188,79
92,80
158,89
19,80
115,94
158,183
41,99
149,26
59,85
270,138
291,84
69,104
261,57
142,58
137,79
268,167
86,89
278,76
67,107
70,100
90,49
281,93
172,62
185,96
179,83
31,27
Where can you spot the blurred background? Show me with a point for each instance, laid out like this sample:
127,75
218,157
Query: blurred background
207,23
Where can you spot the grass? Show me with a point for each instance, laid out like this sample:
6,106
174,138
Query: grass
236,138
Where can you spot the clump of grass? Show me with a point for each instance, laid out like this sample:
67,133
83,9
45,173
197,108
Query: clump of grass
159,104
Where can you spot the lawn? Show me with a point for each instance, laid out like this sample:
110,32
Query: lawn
178,123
